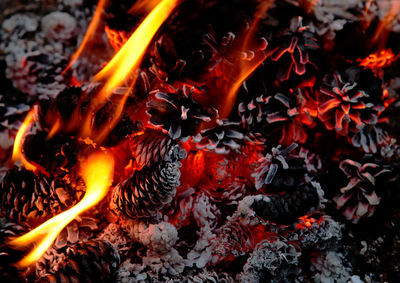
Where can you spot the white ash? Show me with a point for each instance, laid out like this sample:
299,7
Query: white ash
272,261
132,272
201,255
82,228
18,25
203,277
329,266
324,234
59,26
204,212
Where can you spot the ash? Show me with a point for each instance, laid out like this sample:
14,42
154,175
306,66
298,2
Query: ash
297,182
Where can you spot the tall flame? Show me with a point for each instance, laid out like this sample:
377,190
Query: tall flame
246,67
89,33
97,173
127,59
17,154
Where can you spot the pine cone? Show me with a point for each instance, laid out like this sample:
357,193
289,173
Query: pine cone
281,117
369,138
358,198
294,50
208,277
32,199
92,261
272,261
286,208
349,100
147,191
282,170
154,146
178,114
223,138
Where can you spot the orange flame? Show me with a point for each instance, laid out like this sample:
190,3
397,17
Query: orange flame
143,6
246,67
384,26
127,59
17,154
89,33
97,173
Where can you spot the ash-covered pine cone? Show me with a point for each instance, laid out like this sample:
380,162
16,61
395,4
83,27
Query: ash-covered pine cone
349,100
287,208
281,117
295,50
207,277
223,138
233,240
33,198
359,198
153,146
272,261
91,261
147,191
178,113
319,233
280,170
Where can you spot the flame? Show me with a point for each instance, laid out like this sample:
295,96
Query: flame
384,26
127,59
141,6
97,173
17,154
89,33
246,67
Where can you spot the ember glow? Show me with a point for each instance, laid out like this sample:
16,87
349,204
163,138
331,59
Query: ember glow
381,59
17,148
97,173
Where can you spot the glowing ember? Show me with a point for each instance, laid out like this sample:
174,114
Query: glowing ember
89,33
17,149
381,59
97,173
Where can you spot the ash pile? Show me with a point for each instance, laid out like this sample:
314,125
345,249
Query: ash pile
246,141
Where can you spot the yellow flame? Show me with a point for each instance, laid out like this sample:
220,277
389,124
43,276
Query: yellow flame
97,173
17,147
130,55
127,59
89,33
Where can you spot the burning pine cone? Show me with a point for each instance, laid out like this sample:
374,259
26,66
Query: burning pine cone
358,198
32,199
222,139
294,50
279,116
92,261
349,100
178,114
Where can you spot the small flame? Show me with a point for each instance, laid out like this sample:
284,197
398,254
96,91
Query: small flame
17,154
97,173
89,33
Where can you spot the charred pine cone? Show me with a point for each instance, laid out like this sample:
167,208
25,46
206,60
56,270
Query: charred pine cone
154,146
294,50
30,198
358,198
91,261
349,100
286,208
147,191
281,170
223,138
177,113
272,261
369,138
